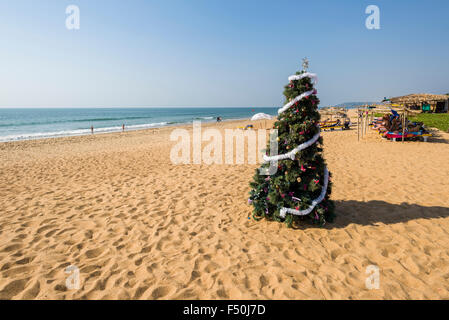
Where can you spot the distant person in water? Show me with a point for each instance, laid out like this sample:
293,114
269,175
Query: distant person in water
92,129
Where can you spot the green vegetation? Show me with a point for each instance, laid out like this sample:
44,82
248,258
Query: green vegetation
433,120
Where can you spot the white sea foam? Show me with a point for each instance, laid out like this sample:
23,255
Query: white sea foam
78,132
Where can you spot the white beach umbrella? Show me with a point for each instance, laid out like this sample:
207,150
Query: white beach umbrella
261,116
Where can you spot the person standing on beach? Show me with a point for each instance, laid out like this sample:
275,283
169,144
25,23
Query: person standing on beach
92,129
123,127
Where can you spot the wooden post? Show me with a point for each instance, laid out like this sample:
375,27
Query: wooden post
361,123
366,121
403,124
358,132
362,119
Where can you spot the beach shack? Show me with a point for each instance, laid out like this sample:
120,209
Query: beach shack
424,102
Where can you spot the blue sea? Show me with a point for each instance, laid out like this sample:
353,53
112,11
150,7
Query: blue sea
38,123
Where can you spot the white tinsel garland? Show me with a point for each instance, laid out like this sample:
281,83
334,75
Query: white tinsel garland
306,144
291,103
314,202
312,76
293,153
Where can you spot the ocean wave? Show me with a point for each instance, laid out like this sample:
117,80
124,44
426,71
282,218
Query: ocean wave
78,132
109,119
33,123
204,118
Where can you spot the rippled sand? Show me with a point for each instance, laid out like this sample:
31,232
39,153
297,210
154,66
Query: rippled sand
139,227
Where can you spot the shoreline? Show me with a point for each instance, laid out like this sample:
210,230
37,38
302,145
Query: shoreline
173,125
118,128
91,143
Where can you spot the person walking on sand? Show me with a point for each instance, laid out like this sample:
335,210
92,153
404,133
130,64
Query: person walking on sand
92,129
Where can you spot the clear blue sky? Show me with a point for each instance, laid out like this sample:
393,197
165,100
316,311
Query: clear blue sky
217,52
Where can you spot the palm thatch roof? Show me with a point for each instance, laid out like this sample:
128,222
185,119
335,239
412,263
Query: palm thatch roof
420,98
337,112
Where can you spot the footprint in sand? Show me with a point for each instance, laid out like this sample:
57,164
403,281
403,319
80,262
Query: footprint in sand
91,254
32,292
160,292
25,260
12,289
12,247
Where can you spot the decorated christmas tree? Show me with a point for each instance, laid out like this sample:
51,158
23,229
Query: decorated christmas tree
299,187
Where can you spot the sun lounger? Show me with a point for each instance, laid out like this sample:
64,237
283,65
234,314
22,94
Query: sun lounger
395,136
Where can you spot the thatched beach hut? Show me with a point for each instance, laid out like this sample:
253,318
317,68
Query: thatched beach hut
337,112
424,102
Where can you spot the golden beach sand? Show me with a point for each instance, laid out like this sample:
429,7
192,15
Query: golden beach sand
139,227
